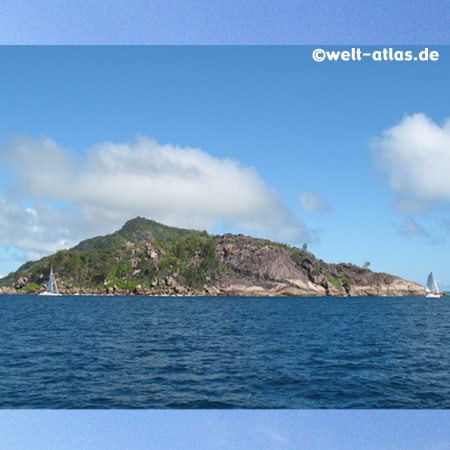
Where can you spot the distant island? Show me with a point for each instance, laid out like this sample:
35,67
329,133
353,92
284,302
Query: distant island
148,258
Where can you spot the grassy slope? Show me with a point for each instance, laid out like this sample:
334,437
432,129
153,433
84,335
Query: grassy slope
111,260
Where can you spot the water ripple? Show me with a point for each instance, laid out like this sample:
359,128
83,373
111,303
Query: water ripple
191,353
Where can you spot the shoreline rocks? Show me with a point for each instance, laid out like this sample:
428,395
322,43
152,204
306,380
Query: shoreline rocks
281,290
184,262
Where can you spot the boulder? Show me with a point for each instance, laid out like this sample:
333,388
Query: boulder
21,283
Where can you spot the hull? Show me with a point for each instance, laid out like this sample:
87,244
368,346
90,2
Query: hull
49,293
433,296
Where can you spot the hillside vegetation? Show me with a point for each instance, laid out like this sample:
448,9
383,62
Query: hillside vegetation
148,258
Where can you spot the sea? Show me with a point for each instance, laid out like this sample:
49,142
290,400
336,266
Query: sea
114,352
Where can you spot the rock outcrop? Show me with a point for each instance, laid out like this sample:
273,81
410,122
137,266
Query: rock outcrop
184,262
261,268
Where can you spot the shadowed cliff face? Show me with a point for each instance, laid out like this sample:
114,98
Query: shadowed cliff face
259,267
147,258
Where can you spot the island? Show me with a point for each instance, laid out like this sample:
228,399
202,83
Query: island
145,257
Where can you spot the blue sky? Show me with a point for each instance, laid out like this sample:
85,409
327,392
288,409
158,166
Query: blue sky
224,22
265,430
259,140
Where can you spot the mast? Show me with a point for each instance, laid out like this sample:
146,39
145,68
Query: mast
55,287
52,287
50,281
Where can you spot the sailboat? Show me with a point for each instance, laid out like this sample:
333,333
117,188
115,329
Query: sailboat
52,288
432,290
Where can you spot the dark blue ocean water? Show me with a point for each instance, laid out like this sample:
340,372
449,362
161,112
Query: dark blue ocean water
198,352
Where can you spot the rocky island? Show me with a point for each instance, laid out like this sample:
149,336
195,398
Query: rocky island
147,258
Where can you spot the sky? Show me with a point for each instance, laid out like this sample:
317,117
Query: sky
349,157
224,22
334,154
217,430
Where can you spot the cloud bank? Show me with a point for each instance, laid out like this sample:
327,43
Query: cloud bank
415,157
75,196
312,202
412,229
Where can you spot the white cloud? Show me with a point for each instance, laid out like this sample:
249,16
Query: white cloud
41,230
78,196
269,435
412,229
312,202
415,156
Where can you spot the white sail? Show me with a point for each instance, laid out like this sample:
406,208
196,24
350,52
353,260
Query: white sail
52,287
50,281
432,287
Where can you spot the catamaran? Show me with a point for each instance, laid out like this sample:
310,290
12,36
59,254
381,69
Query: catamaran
432,290
52,288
